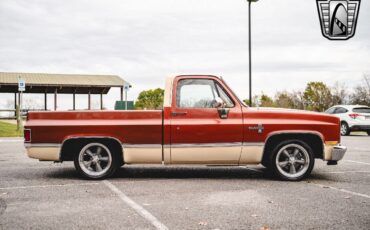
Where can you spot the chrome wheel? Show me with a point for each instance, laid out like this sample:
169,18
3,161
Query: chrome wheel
343,129
292,161
95,160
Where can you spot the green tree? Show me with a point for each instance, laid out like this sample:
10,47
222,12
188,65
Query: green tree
266,101
284,100
317,96
150,99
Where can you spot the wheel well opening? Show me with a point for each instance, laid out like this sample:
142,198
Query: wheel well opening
314,141
72,146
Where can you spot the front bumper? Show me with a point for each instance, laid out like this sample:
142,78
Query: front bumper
43,152
334,153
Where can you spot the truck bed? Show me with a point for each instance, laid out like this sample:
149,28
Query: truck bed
130,127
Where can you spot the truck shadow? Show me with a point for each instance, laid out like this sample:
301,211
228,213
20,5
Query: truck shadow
165,172
182,172
188,172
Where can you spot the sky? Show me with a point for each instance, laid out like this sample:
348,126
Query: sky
145,41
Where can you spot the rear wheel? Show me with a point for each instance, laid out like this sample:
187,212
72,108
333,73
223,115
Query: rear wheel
344,129
292,161
96,161
368,133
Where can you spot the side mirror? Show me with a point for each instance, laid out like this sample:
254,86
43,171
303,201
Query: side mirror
223,112
219,103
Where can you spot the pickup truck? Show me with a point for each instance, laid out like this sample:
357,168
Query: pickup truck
202,122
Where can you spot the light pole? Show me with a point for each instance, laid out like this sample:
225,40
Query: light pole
250,51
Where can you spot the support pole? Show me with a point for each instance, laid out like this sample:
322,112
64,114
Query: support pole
55,100
101,102
89,102
45,101
250,55
18,112
19,98
15,104
122,93
21,110
74,101
126,100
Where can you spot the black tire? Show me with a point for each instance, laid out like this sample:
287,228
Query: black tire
96,161
299,161
368,133
344,129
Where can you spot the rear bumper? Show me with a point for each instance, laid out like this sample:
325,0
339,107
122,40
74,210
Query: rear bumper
360,128
334,153
43,152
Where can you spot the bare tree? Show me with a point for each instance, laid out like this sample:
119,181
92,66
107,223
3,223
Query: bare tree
366,79
31,104
298,100
361,94
339,94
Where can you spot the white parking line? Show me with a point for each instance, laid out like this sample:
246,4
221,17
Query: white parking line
360,149
342,190
358,162
140,210
11,140
46,186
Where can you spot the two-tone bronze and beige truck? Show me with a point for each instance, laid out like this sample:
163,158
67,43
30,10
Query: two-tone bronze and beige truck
202,122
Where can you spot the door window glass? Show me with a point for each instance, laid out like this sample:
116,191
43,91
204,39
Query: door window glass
330,111
195,93
200,93
340,110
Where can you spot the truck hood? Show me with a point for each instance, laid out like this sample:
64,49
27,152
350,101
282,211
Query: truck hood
283,110
293,114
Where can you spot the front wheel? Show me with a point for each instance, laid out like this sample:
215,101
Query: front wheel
95,161
292,161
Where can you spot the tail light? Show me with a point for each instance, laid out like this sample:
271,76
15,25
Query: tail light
27,135
354,115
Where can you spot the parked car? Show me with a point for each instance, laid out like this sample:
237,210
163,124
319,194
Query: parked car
202,122
352,117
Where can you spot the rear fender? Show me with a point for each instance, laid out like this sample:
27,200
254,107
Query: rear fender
71,143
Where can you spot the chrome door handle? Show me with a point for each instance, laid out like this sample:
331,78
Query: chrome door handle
174,114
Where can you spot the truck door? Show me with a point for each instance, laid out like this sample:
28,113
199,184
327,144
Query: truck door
206,123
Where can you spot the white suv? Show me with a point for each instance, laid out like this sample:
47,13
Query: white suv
352,117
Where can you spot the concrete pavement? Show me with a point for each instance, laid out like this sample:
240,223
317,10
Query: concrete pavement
44,195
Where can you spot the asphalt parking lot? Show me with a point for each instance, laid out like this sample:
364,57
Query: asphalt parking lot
42,195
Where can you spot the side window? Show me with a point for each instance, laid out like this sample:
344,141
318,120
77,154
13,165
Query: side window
340,110
200,93
195,93
330,111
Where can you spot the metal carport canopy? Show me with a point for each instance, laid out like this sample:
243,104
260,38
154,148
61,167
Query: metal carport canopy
62,83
